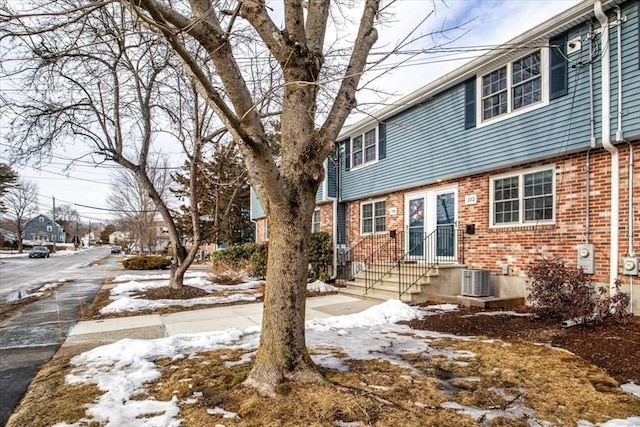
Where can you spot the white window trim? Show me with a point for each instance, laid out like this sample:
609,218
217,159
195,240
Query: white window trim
544,67
375,144
40,219
520,174
373,202
266,230
319,220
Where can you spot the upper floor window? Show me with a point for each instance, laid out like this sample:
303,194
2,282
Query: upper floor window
514,86
524,198
315,221
373,218
49,228
41,219
363,148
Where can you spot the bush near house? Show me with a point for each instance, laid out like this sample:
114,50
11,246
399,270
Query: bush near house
562,292
146,262
252,258
320,256
249,257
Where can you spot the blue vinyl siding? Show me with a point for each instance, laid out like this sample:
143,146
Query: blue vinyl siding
256,207
429,142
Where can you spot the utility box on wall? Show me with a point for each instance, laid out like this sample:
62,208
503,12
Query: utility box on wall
630,267
587,258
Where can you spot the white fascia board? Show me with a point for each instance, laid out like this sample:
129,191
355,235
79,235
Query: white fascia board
550,28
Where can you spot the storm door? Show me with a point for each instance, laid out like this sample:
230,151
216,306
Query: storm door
416,226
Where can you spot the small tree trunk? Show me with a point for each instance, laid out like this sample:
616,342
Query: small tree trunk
178,266
282,354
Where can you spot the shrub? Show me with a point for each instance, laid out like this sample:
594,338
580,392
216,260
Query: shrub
320,255
258,261
146,262
233,257
558,291
225,275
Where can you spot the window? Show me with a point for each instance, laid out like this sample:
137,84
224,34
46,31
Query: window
363,148
49,228
40,219
315,221
266,229
524,198
513,87
373,217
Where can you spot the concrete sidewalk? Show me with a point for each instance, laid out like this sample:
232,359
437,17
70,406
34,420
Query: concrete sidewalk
97,332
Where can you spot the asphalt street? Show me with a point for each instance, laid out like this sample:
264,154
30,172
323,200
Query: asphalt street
31,338
22,275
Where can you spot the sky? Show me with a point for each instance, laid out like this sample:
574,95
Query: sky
121,369
486,22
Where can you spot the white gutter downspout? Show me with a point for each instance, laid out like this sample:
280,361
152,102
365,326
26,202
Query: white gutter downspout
606,143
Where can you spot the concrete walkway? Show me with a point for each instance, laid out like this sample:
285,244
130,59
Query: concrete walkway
97,332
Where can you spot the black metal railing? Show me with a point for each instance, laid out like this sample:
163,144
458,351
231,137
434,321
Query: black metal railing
409,255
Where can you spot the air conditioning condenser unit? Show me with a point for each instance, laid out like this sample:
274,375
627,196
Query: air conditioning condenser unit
475,283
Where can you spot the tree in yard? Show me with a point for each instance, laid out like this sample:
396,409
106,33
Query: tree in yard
286,188
21,203
101,79
222,196
8,178
69,219
136,211
106,232
313,89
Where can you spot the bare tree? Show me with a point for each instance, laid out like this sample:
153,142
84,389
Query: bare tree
69,218
212,40
21,203
103,83
286,190
135,208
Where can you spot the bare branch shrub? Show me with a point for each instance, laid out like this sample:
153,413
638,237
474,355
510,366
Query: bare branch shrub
562,292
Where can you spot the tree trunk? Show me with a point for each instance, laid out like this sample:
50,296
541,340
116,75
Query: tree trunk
282,354
178,266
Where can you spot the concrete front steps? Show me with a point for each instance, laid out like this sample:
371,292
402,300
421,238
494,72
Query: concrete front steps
439,285
388,287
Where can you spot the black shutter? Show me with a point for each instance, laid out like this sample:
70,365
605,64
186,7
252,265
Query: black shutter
347,153
382,140
470,103
558,67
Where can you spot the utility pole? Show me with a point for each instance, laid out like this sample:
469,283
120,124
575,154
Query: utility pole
55,225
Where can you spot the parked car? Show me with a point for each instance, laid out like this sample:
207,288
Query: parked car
39,252
115,249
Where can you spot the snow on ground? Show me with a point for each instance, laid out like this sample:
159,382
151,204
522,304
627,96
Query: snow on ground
120,370
320,286
632,388
157,276
125,300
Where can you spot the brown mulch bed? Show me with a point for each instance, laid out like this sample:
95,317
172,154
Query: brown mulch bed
612,346
185,292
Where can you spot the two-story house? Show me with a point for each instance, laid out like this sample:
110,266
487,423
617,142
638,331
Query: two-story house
42,229
528,151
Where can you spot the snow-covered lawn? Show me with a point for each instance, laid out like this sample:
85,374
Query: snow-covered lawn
126,299
121,370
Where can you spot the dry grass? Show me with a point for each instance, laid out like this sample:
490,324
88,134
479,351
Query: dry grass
50,400
559,387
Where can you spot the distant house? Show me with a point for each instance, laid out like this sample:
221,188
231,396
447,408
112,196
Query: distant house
42,229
